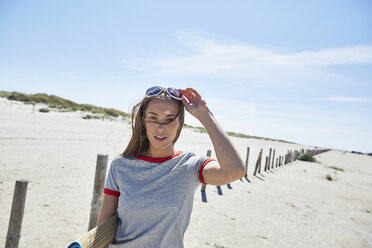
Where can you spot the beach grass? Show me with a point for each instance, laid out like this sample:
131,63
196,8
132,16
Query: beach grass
329,177
256,137
89,117
336,168
62,104
239,135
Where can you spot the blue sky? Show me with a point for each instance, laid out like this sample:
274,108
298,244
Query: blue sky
294,70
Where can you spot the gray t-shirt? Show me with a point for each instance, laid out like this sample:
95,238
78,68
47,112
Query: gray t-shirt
155,198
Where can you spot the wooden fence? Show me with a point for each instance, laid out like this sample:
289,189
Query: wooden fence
104,234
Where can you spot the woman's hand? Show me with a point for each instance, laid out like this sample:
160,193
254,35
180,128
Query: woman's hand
193,102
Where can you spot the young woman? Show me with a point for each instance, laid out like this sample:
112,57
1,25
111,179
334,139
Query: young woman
151,186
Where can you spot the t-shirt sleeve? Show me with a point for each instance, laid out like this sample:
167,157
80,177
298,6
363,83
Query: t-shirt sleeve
201,163
111,186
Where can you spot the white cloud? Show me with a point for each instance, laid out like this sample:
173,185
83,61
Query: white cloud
329,57
198,55
349,99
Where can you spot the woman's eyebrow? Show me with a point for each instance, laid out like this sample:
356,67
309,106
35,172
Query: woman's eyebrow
153,113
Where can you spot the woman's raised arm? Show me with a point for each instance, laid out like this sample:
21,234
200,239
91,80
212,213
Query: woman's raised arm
230,166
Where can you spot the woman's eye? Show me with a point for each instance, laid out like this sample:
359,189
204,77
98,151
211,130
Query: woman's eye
152,118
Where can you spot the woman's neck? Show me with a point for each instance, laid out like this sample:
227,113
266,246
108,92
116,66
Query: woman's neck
158,153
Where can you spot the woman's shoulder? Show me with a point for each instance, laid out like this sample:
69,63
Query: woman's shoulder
120,160
190,156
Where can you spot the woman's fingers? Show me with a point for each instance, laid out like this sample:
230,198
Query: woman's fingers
196,94
185,94
190,93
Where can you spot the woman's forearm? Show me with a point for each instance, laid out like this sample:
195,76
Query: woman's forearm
109,208
228,157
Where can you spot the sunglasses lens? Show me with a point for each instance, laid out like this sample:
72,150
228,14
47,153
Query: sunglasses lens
153,91
174,92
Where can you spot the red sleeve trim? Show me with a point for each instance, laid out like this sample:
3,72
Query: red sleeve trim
111,192
201,169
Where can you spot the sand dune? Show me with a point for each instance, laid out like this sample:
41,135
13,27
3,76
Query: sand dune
292,206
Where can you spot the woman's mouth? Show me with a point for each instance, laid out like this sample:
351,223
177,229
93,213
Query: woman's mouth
160,138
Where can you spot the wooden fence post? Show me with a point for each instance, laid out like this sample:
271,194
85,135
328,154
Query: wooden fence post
16,216
286,158
258,164
266,162
246,162
269,159
280,160
291,156
203,187
272,165
99,183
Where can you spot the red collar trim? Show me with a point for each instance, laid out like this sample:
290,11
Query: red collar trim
158,160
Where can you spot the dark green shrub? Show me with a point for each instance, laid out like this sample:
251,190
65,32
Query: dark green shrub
336,168
88,117
306,157
44,110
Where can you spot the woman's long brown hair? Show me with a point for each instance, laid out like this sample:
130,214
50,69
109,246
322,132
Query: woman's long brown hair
139,142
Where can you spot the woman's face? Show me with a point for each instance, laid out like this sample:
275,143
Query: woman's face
162,124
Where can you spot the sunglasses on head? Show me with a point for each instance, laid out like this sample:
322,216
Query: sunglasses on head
157,90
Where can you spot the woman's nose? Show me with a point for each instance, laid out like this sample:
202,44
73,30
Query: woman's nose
160,126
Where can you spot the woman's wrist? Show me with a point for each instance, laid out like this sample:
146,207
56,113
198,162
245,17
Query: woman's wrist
204,115
209,122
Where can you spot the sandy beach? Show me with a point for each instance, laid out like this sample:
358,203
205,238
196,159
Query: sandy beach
291,206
